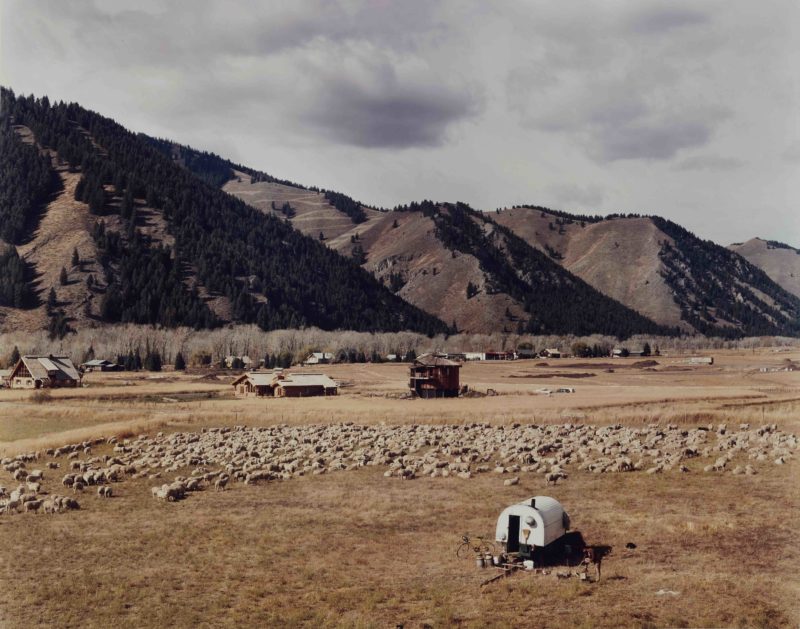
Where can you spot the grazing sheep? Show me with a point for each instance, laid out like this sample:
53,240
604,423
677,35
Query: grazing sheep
220,483
32,506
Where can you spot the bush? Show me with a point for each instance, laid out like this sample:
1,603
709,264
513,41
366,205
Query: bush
40,396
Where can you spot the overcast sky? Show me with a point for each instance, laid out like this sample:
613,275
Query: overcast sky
689,110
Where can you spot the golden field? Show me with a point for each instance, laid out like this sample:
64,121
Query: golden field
355,549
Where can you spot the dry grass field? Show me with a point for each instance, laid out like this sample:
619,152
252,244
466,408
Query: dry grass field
356,549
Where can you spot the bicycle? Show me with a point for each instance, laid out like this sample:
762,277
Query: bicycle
478,545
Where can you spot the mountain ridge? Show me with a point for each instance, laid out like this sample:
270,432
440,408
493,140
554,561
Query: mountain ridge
174,236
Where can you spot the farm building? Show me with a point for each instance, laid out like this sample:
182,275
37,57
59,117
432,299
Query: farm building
700,360
254,384
279,383
533,523
304,385
99,365
550,353
474,356
494,355
5,374
238,362
433,375
36,372
318,358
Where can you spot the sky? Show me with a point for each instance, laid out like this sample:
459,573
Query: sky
689,110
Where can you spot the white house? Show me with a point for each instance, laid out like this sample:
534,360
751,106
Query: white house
318,358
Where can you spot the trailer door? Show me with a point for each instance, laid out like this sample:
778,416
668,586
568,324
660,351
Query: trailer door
512,545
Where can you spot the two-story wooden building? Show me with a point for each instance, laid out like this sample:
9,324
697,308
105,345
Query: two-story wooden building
434,375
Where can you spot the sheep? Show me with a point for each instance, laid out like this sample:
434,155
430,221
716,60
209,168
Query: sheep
104,491
220,483
68,480
32,506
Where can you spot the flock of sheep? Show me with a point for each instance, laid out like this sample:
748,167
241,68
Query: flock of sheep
212,458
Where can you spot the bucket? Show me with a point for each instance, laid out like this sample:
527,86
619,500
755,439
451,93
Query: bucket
528,564
480,562
497,560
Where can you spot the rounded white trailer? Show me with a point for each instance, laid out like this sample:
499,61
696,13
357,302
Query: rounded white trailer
534,523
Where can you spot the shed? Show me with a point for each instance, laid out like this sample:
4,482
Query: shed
550,353
533,523
99,365
5,374
35,372
433,375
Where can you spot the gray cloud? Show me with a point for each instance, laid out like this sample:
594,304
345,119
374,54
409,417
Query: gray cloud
371,102
642,105
660,19
709,162
584,197
644,139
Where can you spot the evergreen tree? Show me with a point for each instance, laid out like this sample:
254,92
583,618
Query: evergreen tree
152,360
14,358
180,363
76,259
52,300
646,350
63,278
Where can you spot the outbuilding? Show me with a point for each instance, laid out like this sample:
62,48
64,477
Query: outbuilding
533,523
5,374
98,364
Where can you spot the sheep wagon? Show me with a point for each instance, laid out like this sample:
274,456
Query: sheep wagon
534,523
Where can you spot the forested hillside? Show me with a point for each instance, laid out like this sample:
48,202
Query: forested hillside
271,274
554,300
661,270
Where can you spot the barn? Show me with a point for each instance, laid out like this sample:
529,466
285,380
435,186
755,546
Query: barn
36,372
533,523
434,375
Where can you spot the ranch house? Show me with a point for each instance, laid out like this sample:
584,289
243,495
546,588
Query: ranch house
318,358
36,372
279,383
433,375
